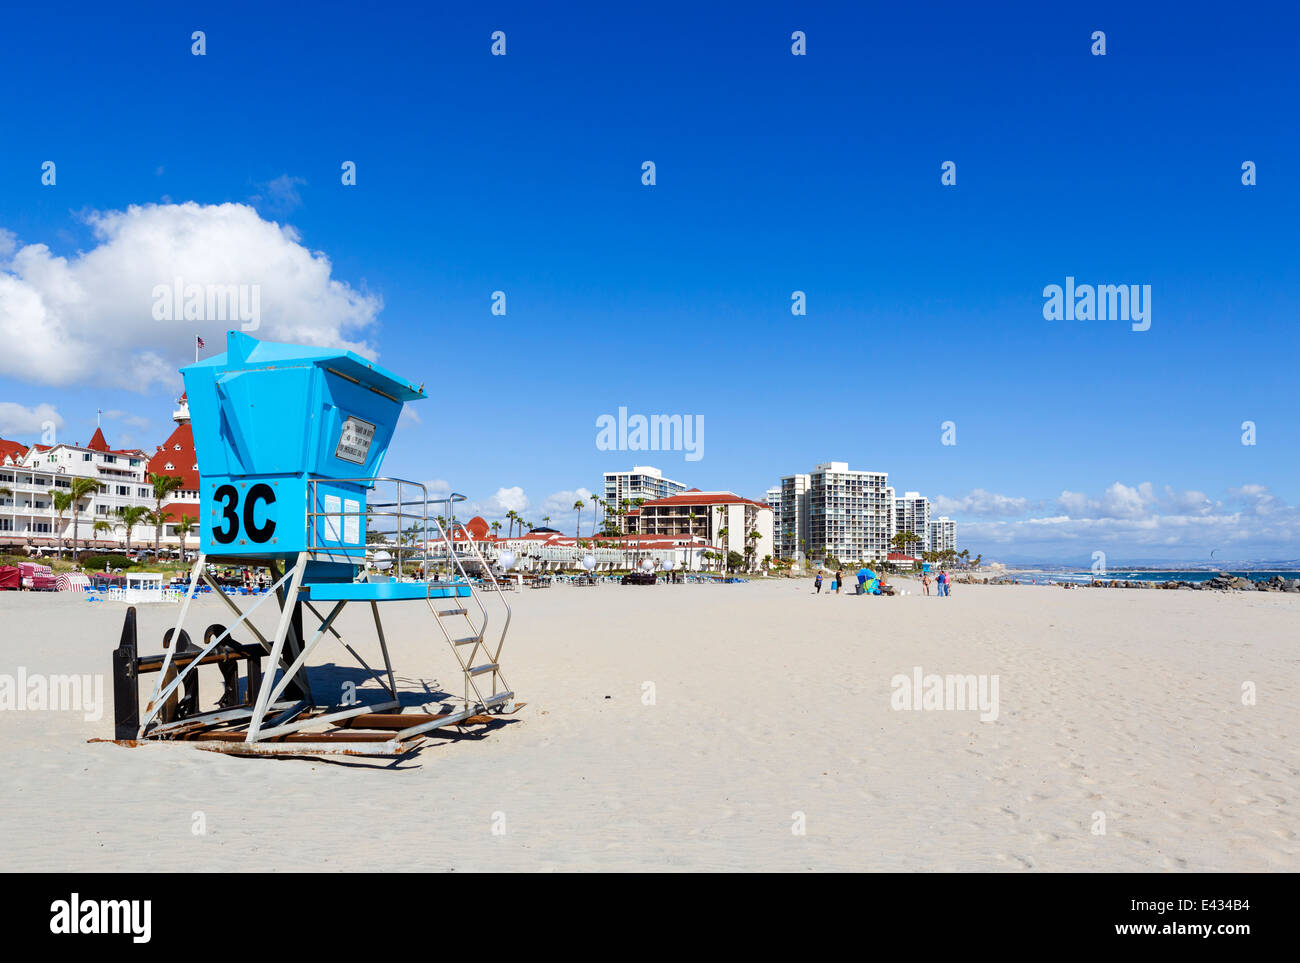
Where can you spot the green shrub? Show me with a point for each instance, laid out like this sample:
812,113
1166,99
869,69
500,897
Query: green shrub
97,563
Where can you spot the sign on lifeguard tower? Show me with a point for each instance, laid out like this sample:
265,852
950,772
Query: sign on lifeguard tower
290,440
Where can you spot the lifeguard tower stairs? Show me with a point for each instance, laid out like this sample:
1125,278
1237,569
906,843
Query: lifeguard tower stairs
290,440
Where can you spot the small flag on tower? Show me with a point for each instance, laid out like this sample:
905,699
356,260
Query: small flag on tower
199,341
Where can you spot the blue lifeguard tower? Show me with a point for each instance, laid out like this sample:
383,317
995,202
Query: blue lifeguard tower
290,440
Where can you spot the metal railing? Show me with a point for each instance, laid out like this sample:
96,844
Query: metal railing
401,525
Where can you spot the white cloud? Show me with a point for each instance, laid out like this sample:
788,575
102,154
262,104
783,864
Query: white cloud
135,421
88,318
982,504
17,420
280,196
505,500
562,502
1118,501
1248,521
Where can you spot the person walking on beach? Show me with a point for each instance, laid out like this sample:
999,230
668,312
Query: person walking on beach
925,582
839,581
817,585
943,584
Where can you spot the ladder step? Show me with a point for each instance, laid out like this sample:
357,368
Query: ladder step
480,669
472,638
441,612
497,699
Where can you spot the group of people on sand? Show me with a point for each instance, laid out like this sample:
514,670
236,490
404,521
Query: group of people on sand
943,583
880,586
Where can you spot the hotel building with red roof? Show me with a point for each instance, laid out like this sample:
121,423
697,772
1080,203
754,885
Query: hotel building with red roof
29,473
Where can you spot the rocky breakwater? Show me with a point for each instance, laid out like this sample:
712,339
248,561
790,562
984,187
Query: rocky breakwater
1222,582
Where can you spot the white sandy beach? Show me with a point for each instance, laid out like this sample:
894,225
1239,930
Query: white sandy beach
769,701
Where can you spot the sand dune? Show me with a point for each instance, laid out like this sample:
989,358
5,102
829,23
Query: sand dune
769,702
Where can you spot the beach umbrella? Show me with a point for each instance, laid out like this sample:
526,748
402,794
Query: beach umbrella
865,573
589,562
507,560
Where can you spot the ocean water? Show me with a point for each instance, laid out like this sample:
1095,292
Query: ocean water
1129,575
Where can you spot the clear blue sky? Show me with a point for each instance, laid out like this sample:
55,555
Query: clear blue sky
775,173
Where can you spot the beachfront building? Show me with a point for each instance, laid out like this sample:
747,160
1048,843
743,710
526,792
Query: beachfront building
790,517
642,482
773,499
27,515
549,551
943,535
176,457
29,473
850,513
724,520
912,514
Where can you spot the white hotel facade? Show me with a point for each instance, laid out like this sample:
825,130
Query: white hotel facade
28,519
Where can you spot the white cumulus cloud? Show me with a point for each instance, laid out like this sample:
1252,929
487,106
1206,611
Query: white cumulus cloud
15,419
982,504
89,318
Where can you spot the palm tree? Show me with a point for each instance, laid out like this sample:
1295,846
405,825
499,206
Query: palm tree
80,490
101,526
496,527
183,529
577,507
131,516
163,485
61,501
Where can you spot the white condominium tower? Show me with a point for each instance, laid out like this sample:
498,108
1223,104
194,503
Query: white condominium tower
850,513
943,534
790,516
912,514
643,481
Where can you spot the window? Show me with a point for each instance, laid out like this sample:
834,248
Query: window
123,490
85,456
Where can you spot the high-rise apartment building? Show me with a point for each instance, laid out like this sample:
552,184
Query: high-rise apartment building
912,514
